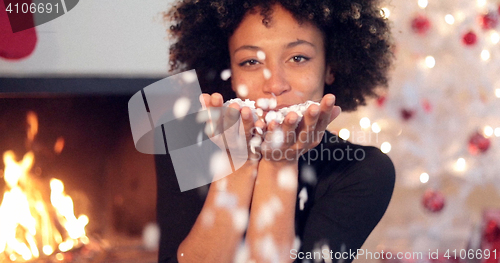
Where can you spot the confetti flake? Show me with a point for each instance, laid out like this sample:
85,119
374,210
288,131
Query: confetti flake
286,179
261,55
240,219
181,107
302,198
277,138
308,175
242,90
189,76
263,103
225,74
199,139
267,73
226,200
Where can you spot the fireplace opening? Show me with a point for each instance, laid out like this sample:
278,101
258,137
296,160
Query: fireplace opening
83,144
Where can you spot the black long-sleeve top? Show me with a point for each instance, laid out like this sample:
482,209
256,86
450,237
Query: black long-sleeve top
346,199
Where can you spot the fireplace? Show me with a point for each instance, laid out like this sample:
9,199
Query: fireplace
83,139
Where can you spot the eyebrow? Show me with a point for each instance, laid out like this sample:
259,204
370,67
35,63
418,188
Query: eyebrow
289,45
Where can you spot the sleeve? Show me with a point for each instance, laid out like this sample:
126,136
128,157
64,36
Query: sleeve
176,211
353,203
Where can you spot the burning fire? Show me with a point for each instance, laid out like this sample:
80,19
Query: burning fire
29,225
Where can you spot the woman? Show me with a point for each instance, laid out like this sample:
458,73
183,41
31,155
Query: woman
319,194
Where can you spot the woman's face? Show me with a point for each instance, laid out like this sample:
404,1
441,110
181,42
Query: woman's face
285,59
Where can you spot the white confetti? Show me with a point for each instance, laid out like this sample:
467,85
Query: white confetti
268,249
302,198
325,247
222,185
226,200
254,143
189,76
273,103
240,219
151,236
261,55
219,164
296,243
181,107
268,212
267,73
225,74
199,139
208,218
259,130
242,254
308,175
259,112
263,103
242,90
277,138
286,179
202,116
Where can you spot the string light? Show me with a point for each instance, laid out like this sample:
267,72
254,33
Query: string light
430,62
485,55
495,37
488,131
385,12
423,3
449,19
460,165
424,178
376,128
497,132
385,147
365,123
344,134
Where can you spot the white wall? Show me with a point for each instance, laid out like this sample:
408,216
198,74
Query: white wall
99,38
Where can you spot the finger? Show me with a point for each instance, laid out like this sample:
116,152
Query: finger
308,125
326,107
248,124
205,100
289,126
231,115
217,100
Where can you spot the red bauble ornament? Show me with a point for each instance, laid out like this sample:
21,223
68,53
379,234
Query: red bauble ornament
470,38
420,24
433,200
491,231
478,143
381,101
407,114
489,20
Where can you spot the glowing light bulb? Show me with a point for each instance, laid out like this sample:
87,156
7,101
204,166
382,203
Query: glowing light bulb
365,123
385,12
424,178
385,147
344,134
449,19
423,3
488,131
495,38
497,132
376,128
430,62
460,165
497,93
485,55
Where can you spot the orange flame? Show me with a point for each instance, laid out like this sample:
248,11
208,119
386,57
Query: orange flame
27,228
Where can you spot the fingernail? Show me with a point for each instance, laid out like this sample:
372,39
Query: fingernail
314,112
245,115
292,119
330,101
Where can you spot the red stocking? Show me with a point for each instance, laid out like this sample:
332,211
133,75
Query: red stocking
15,45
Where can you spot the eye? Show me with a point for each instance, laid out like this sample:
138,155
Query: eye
250,62
299,59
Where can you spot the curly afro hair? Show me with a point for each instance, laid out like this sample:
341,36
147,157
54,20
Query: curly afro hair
357,41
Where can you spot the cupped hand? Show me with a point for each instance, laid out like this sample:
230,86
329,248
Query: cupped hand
289,140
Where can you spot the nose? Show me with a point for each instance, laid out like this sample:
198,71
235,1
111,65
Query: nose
276,81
